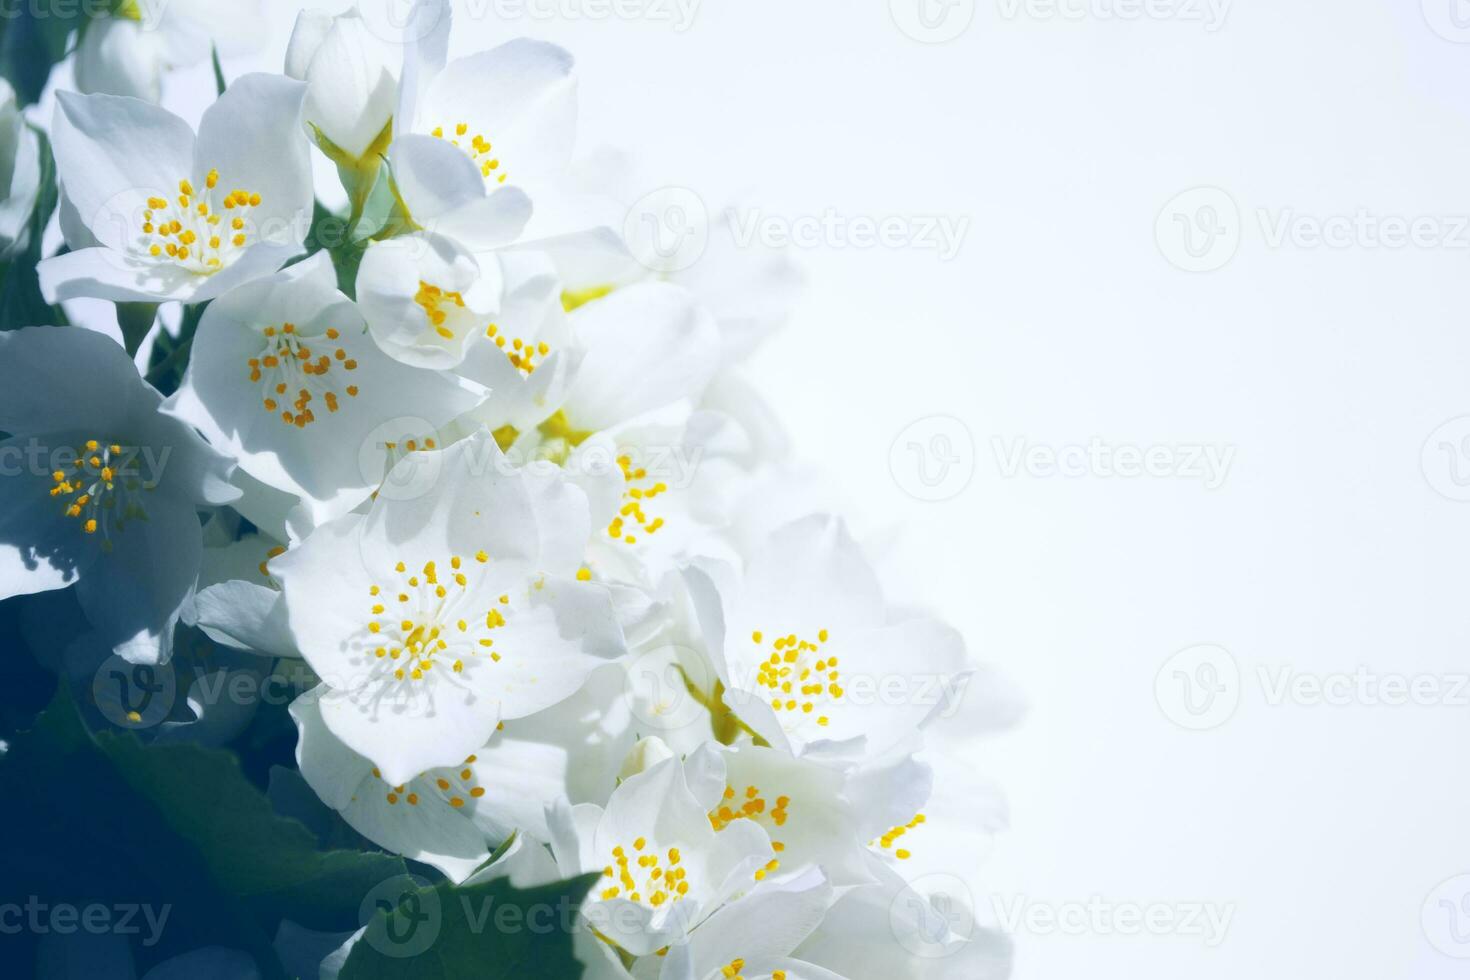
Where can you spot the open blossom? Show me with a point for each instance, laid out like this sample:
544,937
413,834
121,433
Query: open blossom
172,216
473,135
664,867
285,378
453,816
99,488
815,661
426,298
434,616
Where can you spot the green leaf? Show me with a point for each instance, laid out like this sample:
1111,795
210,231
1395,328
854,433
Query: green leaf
219,72
106,817
490,931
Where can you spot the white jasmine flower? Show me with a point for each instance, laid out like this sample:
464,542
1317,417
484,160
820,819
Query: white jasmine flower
815,661
172,216
451,817
426,298
351,76
128,50
435,616
800,806
100,488
665,869
285,378
752,938
20,172
471,133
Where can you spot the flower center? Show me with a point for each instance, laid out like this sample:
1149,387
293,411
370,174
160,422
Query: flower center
638,491
286,368
102,490
891,837
751,806
432,622
798,675
450,785
643,876
434,300
192,231
478,149
522,354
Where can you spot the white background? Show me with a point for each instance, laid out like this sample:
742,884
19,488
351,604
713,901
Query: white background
1324,370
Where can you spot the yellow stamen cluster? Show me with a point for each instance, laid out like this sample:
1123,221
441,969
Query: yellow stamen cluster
798,675
201,232
751,805
643,876
288,368
478,148
98,490
733,971
454,786
891,837
522,354
634,497
433,300
430,622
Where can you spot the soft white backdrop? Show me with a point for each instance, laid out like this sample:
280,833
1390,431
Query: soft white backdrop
1056,134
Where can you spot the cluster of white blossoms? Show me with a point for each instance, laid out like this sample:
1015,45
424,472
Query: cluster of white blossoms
499,491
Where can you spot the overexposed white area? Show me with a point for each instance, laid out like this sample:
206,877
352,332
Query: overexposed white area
1313,354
